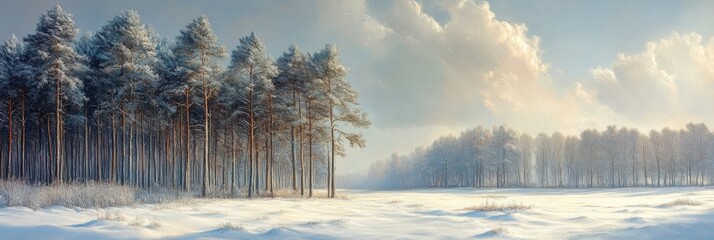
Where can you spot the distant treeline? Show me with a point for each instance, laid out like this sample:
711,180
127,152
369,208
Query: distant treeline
501,157
123,105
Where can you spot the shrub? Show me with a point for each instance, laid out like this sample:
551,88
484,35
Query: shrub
491,206
138,222
498,230
229,226
111,216
682,202
154,224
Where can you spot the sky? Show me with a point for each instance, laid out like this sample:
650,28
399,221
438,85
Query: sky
425,69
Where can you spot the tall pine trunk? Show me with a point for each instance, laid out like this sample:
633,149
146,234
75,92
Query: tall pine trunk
22,137
310,169
293,140
86,145
9,138
51,162
115,150
187,176
98,153
143,148
206,139
331,171
251,149
58,174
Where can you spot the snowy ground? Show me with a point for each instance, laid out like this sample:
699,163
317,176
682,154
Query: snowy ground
636,213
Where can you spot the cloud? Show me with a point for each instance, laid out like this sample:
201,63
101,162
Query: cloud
468,68
669,83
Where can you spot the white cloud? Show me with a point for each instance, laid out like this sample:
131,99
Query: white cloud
470,69
669,83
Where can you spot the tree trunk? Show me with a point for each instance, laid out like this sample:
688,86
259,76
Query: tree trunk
51,166
130,169
86,145
22,137
9,139
251,149
58,175
331,171
267,165
97,154
310,136
233,160
143,148
187,176
206,139
115,151
292,141
310,169
302,162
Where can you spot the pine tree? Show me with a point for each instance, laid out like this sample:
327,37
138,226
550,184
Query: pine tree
126,55
289,88
12,90
342,103
54,65
197,51
87,48
168,118
249,78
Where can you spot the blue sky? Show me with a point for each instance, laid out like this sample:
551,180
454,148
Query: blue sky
431,68
580,34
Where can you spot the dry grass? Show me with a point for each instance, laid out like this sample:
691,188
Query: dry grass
154,224
492,206
281,193
89,195
493,196
337,221
322,221
102,195
229,226
682,202
323,194
138,222
314,222
499,230
111,216
141,222
415,205
290,194
84,195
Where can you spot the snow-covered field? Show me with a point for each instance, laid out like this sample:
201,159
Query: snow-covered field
635,213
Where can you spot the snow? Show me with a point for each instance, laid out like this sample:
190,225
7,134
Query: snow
649,213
